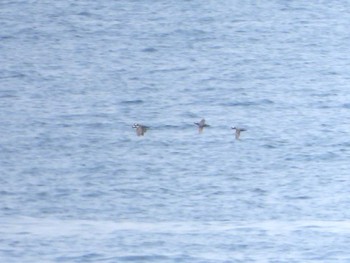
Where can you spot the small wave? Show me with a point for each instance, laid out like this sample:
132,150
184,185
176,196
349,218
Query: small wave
83,258
84,14
259,191
168,126
6,37
249,103
136,258
165,70
8,95
343,144
149,50
270,146
190,32
132,102
303,197
346,105
12,75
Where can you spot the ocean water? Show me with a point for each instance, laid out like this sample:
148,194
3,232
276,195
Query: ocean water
78,185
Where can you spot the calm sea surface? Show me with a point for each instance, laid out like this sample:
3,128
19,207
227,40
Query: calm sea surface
78,185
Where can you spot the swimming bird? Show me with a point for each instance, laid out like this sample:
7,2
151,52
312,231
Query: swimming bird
201,125
238,131
140,129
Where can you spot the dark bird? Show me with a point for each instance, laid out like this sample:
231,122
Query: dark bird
238,131
140,129
201,125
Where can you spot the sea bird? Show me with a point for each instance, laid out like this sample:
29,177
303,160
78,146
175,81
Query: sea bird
201,125
140,129
238,132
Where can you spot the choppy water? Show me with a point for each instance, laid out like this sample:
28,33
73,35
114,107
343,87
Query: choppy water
78,185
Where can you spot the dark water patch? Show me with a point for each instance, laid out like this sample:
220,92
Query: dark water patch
171,127
7,193
84,13
190,32
165,70
270,146
143,258
9,75
274,144
323,106
96,125
326,156
91,257
168,127
322,95
346,106
160,258
327,127
6,37
259,191
343,144
189,114
149,50
82,119
302,197
249,103
131,102
215,193
42,195
93,194
63,192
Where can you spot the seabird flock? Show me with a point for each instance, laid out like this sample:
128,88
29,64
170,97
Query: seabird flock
141,129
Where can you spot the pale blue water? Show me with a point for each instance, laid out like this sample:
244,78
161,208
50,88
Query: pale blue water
78,185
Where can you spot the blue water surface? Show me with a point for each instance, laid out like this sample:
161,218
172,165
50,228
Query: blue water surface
78,185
